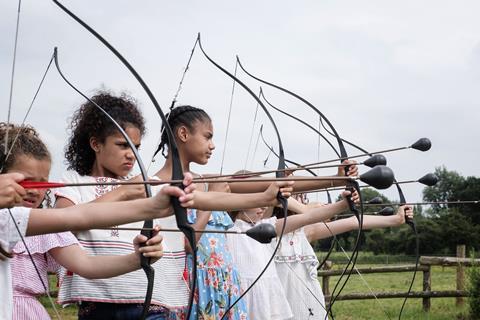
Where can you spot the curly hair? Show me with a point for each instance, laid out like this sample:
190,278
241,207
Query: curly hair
21,141
88,122
185,115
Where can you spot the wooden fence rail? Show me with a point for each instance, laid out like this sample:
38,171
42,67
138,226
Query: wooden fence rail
425,264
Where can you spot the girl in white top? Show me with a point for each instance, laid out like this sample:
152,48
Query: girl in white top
267,299
297,262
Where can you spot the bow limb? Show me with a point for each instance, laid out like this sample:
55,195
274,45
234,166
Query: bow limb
177,172
412,224
281,165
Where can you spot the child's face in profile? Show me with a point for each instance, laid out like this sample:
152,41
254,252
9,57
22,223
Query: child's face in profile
33,170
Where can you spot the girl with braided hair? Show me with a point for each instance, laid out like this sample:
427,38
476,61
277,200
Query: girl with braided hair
30,157
218,282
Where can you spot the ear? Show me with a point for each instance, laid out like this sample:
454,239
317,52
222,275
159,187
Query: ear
183,133
94,144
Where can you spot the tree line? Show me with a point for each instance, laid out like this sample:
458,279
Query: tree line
441,227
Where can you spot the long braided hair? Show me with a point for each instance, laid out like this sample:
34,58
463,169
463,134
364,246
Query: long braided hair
185,115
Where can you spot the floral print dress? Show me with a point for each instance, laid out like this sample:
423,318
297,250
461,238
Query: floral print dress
218,281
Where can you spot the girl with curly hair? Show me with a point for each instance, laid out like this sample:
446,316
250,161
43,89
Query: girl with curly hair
30,157
97,152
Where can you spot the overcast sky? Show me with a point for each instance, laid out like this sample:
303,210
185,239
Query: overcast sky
384,72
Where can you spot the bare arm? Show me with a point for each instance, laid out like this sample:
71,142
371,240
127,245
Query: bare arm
98,215
210,201
325,230
246,187
78,261
313,215
122,193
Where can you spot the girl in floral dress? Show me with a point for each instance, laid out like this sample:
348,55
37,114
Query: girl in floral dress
218,283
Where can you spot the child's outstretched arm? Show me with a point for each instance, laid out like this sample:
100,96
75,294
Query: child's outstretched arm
232,201
11,193
314,215
98,215
322,230
245,187
78,261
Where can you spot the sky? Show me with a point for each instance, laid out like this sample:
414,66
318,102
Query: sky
385,73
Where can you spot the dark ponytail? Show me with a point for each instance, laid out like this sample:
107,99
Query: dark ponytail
181,116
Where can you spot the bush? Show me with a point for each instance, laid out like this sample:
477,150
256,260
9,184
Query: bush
474,292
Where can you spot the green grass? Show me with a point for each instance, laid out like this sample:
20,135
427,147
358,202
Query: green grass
68,313
441,308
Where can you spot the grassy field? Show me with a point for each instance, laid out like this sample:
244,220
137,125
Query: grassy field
442,308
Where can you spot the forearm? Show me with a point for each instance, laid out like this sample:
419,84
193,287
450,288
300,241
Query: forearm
305,185
311,216
375,222
111,266
323,230
296,206
94,267
323,213
90,215
210,201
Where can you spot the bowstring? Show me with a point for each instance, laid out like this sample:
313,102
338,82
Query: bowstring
12,77
255,150
251,138
35,266
26,114
335,239
9,150
228,118
174,100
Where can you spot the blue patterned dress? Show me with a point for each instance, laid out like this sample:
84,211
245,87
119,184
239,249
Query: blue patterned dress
218,281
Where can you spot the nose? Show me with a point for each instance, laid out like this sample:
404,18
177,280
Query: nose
211,146
130,155
32,192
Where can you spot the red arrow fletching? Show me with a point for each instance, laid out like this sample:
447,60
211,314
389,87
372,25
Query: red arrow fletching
40,185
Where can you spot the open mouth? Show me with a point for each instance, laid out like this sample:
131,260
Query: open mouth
29,203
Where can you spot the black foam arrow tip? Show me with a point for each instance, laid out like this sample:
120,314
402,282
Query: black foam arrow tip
376,200
422,144
375,160
429,179
387,211
380,177
263,232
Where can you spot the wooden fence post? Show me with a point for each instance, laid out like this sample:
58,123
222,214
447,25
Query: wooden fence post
326,279
427,287
460,301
